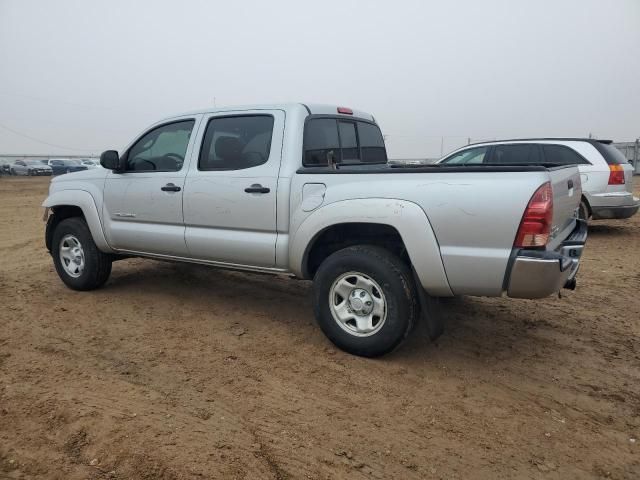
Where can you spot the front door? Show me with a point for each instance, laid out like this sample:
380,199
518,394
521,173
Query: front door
143,205
230,191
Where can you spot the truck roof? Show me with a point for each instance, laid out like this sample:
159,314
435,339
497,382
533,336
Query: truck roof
311,109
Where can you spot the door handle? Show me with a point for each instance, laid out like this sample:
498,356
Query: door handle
570,184
170,187
257,188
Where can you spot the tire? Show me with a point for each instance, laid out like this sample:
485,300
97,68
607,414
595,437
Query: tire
96,265
583,211
384,277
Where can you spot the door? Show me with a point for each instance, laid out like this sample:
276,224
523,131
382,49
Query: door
230,191
143,205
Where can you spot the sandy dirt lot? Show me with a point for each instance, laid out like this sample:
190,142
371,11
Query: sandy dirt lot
181,372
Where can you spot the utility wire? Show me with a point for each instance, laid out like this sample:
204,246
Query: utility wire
44,142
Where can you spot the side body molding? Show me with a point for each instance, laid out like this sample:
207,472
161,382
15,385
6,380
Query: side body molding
406,217
83,200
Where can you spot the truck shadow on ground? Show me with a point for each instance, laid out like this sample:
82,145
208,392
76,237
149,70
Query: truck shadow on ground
603,229
482,329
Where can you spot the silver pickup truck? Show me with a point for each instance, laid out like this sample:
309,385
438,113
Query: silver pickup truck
306,191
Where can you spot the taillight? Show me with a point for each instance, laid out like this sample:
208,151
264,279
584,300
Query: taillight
616,175
345,111
536,222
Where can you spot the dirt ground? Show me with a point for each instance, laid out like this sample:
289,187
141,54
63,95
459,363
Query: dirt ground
185,372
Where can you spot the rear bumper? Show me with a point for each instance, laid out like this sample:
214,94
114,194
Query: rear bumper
540,273
621,211
613,205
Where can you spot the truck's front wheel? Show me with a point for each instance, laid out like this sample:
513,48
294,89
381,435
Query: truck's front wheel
79,263
365,300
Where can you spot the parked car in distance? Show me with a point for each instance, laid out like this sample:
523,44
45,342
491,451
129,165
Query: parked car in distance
5,168
30,167
89,163
61,166
606,175
314,197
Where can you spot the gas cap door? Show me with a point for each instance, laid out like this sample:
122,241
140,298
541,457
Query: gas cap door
312,196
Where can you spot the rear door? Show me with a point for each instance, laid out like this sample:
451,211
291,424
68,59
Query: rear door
230,192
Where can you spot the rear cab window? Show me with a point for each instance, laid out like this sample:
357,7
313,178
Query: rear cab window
330,140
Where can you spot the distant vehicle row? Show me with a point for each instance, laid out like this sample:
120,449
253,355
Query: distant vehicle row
54,166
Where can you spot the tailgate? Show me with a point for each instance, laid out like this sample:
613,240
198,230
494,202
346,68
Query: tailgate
567,193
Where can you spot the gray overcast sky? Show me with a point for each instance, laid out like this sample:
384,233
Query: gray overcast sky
90,75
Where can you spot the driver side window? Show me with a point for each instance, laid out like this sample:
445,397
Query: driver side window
162,149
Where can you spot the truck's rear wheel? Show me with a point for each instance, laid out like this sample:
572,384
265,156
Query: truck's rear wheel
365,300
79,263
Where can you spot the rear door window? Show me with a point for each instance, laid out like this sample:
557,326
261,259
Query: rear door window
561,155
527,153
236,143
349,142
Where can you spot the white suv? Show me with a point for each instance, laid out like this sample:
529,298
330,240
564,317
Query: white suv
607,176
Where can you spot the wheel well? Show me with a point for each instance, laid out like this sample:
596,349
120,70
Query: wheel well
344,235
58,214
586,202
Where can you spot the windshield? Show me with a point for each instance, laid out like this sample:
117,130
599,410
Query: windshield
33,162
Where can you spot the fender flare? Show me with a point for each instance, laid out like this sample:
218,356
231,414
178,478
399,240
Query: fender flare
406,217
83,200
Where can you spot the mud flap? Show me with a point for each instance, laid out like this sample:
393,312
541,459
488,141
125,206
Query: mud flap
430,310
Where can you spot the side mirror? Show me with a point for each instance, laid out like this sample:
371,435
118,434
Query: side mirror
110,160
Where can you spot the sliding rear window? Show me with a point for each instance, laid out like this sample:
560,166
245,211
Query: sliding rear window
343,141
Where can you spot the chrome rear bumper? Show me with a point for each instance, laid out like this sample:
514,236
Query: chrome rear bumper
540,273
